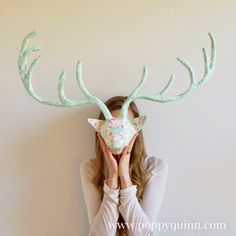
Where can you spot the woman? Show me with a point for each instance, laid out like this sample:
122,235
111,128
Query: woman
123,193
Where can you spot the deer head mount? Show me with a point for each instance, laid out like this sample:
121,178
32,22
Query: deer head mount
116,132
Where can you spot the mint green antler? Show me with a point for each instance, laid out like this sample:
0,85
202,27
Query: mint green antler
26,74
194,85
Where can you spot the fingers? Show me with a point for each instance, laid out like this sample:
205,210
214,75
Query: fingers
130,146
101,142
124,152
105,149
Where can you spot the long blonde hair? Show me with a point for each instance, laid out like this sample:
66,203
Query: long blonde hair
138,154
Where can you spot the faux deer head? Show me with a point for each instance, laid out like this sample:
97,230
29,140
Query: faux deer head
116,132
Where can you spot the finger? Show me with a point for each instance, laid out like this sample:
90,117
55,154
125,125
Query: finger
99,138
130,145
106,149
132,141
124,153
102,143
125,149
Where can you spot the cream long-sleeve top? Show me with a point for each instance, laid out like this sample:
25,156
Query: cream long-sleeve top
140,217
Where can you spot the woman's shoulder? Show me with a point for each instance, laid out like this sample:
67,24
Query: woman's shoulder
155,164
85,164
86,168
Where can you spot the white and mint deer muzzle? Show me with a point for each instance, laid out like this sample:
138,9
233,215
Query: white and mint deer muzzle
117,132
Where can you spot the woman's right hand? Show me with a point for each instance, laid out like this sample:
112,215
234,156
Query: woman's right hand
112,164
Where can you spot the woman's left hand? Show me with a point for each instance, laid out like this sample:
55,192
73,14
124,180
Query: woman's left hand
124,164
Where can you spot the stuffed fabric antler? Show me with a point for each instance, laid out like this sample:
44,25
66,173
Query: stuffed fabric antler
27,73
116,132
194,85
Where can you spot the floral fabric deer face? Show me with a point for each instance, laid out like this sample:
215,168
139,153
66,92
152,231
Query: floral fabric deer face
116,132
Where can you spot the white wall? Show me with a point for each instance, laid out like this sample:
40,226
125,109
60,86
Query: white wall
42,146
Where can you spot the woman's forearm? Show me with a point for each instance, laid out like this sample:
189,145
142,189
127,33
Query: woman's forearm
112,182
125,182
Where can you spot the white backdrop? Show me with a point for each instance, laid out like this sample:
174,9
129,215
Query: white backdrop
42,146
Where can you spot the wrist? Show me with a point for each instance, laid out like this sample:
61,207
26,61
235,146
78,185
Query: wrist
113,176
125,182
112,182
125,178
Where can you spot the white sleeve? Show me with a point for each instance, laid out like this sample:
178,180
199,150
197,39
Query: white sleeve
103,215
140,216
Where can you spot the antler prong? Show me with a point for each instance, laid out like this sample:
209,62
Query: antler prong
27,40
168,85
213,51
134,94
89,98
61,92
142,81
206,61
189,68
25,55
29,73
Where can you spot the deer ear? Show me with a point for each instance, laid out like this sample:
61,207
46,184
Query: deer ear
96,123
138,122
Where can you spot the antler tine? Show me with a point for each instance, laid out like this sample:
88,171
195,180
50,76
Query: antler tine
27,73
88,96
134,94
161,96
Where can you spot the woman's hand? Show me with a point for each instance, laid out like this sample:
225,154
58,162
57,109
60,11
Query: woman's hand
123,169
112,164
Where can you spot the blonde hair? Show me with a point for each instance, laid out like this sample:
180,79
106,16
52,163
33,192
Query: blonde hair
138,154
